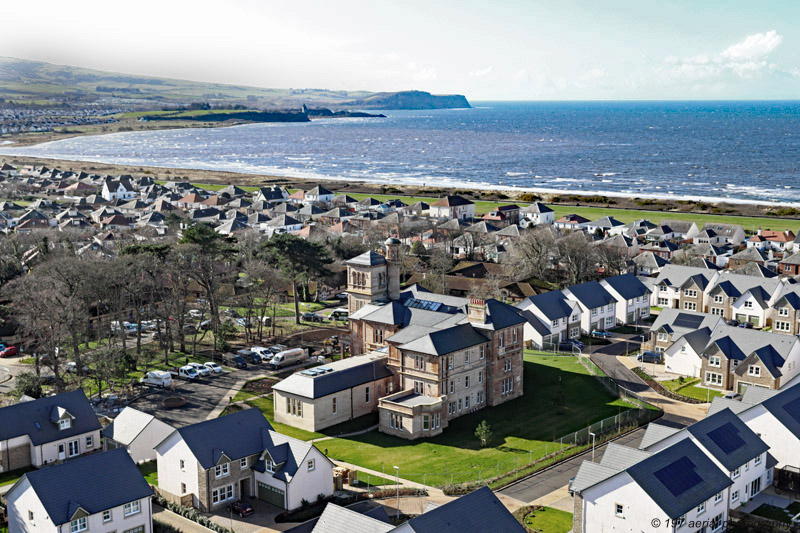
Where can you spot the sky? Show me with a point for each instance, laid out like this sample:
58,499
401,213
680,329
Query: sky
486,50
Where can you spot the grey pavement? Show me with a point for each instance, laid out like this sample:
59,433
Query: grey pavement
556,477
619,372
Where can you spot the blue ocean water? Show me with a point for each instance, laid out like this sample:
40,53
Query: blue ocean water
740,151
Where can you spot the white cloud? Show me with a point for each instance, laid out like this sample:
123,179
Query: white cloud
745,59
481,73
754,46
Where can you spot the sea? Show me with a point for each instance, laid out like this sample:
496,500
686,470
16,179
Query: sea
704,151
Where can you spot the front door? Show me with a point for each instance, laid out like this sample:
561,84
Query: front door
244,488
61,453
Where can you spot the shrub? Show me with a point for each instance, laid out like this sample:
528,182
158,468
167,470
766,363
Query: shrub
530,197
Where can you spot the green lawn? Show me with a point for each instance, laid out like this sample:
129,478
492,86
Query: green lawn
150,472
690,389
549,520
521,428
778,514
370,480
9,478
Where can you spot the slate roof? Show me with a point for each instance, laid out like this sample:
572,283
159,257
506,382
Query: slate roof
446,341
345,375
236,435
679,478
536,207
591,294
94,483
628,286
554,304
127,425
479,510
590,474
367,259
319,190
785,406
728,439
34,418
499,315
451,201
736,406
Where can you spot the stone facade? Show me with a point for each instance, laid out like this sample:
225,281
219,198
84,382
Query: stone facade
15,457
577,514
784,318
724,370
208,481
691,297
753,373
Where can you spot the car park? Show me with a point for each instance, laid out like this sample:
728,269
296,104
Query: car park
649,357
201,369
241,508
601,334
213,367
235,360
250,356
9,351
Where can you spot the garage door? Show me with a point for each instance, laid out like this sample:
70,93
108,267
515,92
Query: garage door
742,386
271,495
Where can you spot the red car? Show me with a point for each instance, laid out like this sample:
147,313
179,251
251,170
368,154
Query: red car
8,352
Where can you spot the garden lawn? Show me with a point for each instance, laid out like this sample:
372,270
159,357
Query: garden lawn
778,514
150,472
549,520
690,389
521,429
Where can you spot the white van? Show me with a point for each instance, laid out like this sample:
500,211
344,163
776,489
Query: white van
157,378
340,313
288,358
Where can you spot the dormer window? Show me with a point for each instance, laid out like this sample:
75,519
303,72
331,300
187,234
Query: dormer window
64,423
269,465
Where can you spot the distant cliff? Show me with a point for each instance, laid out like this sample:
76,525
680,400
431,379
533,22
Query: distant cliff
411,100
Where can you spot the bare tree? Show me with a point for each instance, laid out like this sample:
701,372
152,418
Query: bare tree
532,255
577,258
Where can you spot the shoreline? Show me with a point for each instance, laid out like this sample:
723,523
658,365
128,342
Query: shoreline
664,206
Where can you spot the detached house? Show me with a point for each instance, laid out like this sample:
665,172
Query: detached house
598,306
535,214
137,432
47,430
99,492
210,464
551,318
118,189
452,207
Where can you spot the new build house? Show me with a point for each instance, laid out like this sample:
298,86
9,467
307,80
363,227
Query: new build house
210,464
137,432
48,430
100,492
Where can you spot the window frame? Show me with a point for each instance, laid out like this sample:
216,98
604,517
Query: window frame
82,521
135,508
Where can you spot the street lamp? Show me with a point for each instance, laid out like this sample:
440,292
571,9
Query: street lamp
593,437
397,480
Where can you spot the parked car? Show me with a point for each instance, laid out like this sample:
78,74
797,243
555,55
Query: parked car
566,347
9,351
240,508
747,325
244,322
339,314
249,356
288,358
733,396
278,348
72,368
157,378
733,322
185,372
201,369
213,367
341,296
571,490
311,317
601,334
195,313
263,352
231,312
205,324
649,357
236,360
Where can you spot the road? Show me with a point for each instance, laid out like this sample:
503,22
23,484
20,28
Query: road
554,478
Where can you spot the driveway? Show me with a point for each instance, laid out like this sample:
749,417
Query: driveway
558,476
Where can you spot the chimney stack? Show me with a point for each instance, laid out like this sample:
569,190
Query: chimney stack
476,310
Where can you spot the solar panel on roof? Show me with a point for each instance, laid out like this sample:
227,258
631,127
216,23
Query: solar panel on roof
684,320
422,304
678,476
793,408
727,438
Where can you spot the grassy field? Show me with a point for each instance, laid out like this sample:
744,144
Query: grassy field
523,428
690,389
593,213
549,520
